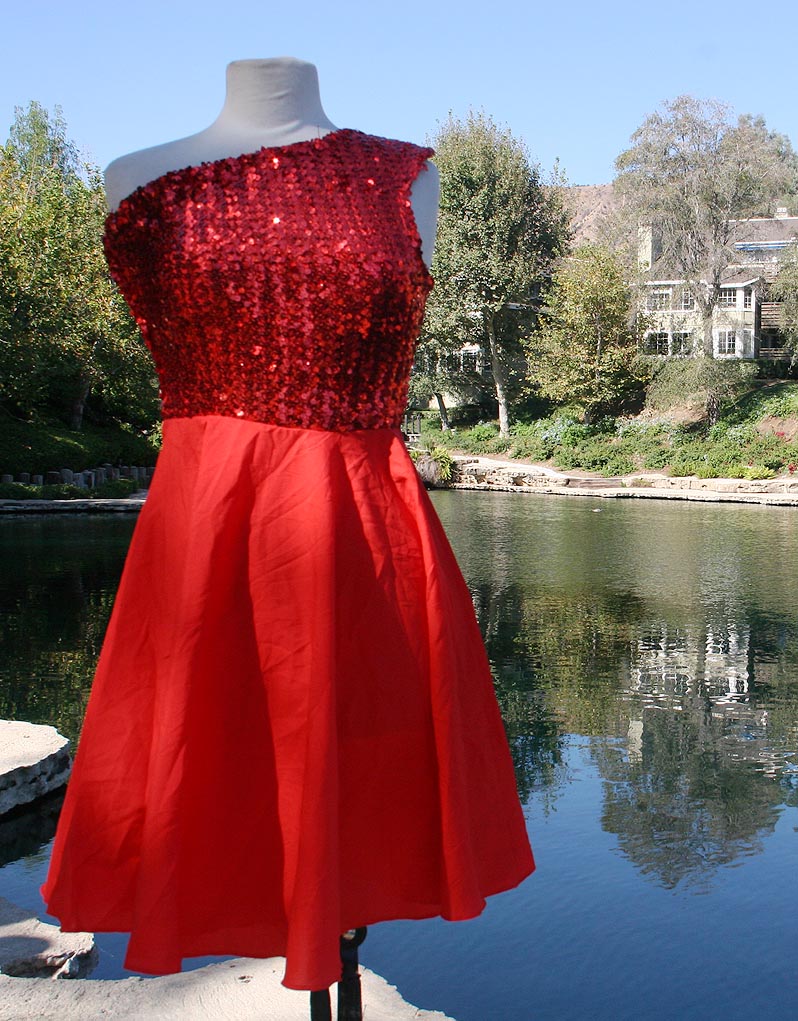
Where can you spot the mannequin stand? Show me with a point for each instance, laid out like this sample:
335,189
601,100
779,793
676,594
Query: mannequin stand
350,1005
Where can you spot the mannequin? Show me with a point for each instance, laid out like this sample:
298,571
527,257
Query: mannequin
270,102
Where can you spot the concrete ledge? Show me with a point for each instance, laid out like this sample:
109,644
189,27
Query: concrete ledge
128,505
239,990
34,760
514,477
32,949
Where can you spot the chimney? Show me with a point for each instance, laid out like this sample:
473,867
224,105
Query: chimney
645,246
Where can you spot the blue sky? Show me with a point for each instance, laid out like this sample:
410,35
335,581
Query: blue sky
572,78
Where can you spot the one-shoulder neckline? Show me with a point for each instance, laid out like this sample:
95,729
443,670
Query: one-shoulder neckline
253,154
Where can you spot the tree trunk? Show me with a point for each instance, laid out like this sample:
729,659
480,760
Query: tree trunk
445,424
79,406
708,349
499,377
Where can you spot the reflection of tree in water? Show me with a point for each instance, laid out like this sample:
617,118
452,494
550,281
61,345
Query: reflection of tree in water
53,615
560,665
534,734
682,806
686,760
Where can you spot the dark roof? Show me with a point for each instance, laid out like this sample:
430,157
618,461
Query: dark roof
778,230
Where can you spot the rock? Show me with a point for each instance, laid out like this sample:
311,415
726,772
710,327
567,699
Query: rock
33,949
239,990
430,472
27,829
34,760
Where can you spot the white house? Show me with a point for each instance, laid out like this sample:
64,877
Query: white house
746,321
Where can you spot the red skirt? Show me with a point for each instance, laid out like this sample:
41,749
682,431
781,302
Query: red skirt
292,731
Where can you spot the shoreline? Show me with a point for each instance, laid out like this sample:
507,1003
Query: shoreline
489,474
121,505
504,476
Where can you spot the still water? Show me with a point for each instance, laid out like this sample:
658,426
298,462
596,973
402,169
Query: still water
646,663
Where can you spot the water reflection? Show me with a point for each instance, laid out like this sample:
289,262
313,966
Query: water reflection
664,634
55,600
668,635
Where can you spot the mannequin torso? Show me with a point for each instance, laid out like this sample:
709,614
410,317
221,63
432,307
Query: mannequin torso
268,103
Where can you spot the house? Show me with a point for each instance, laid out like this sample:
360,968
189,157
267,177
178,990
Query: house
746,320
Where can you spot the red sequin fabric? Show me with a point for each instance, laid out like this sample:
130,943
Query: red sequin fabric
283,286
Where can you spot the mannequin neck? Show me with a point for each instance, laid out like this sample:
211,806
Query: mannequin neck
279,97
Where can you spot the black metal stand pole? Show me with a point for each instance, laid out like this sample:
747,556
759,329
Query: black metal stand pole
350,1004
320,1009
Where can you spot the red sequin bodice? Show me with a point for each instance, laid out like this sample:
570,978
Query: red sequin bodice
283,286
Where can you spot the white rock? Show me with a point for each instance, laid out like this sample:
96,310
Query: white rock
240,990
32,948
34,760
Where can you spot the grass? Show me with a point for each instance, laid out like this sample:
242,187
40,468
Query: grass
39,447
114,490
733,448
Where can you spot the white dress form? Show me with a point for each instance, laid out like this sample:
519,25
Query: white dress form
267,102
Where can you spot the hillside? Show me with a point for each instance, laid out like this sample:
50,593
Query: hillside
589,204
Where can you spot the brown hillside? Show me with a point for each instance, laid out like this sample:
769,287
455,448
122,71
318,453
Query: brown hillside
589,205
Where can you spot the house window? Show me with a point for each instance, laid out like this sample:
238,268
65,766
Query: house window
748,298
656,344
470,361
688,301
657,300
727,342
727,297
681,343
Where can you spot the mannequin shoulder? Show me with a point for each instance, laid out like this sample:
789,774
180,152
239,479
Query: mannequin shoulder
127,173
427,185
424,197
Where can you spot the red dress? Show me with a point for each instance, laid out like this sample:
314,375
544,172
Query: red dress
292,731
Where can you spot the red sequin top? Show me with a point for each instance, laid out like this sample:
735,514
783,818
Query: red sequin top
284,285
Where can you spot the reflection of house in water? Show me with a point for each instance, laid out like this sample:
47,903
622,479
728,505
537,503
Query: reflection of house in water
708,672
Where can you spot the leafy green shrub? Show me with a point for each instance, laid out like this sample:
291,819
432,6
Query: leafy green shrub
115,490
780,401
442,458
696,380
758,471
656,460
38,447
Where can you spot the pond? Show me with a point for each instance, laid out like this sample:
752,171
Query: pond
646,663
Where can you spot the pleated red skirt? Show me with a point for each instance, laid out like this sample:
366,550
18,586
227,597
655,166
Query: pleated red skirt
292,731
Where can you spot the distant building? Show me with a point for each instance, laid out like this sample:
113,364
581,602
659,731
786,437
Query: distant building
746,322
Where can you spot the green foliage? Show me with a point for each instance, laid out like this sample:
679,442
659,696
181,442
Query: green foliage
444,461
735,447
779,400
117,489
67,341
499,229
38,447
697,381
483,438
435,464
585,347
785,289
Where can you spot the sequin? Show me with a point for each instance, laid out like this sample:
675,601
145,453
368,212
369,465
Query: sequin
293,298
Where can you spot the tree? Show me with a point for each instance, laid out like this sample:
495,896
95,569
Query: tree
696,175
585,347
65,332
785,289
499,230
